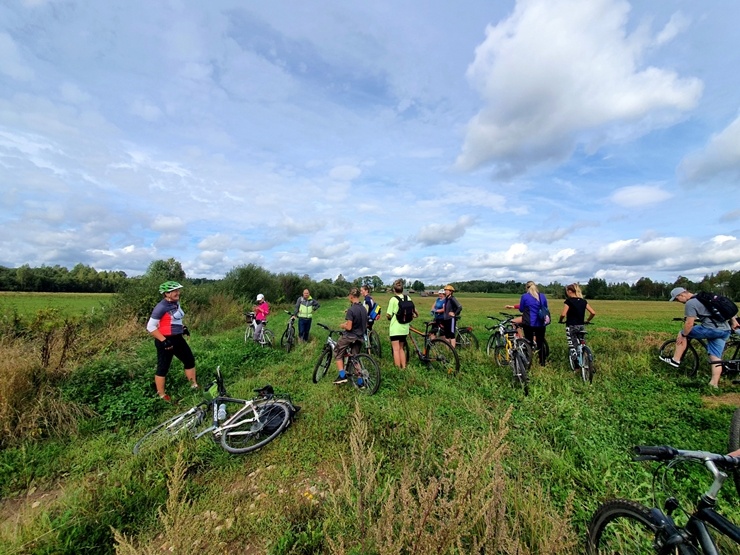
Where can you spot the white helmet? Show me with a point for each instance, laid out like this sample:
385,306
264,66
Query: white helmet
260,297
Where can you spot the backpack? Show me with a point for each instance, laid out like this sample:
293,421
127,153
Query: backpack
406,310
720,308
543,314
373,312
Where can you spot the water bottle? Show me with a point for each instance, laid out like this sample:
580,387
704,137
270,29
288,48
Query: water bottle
222,412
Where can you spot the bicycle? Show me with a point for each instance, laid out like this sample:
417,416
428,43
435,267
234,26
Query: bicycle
361,368
239,425
580,356
465,339
505,332
434,352
371,342
268,338
287,341
689,363
734,444
629,527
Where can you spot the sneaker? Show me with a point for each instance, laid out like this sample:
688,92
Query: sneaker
360,382
340,380
670,362
194,386
164,397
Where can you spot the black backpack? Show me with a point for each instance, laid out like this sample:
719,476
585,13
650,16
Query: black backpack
720,308
406,310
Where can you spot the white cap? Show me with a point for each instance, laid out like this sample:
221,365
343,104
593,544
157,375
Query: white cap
260,297
440,291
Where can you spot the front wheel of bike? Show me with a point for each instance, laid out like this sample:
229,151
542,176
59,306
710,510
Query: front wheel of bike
248,333
375,348
442,357
621,526
256,429
734,444
177,427
288,339
519,368
689,361
322,365
365,373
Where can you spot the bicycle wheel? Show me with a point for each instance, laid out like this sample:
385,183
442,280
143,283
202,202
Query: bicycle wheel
621,526
442,357
519,368
587,370
524,346
466,340
288,339
365,373
375,348
268,338
689,361
322,365
734,444
248,333
179,426
250,433
496,348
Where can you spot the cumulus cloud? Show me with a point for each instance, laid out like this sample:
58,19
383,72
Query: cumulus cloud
559,73
443,234
639,196
720,157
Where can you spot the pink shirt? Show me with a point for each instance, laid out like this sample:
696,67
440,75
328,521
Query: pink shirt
261,311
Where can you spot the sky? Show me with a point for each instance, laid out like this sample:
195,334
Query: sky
551,140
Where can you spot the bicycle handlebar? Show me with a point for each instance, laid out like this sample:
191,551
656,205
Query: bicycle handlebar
668,453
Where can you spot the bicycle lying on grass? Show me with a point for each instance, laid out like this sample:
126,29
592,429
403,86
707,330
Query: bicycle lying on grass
433,352
580,356
287,341
361,368
240,425
689,363
628,527
268,338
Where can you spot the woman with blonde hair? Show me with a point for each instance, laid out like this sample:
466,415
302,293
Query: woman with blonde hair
533,323
574,316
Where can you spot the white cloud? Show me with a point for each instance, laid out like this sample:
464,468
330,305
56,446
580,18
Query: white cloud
562,73
719,158
640,196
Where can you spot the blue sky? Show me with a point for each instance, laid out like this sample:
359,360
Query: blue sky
537,139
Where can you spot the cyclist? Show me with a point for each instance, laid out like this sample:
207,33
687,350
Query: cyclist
304,309
715,332
166,327
373,309
452,310
261,310
574,315
438,309
534,327
355,327
398,332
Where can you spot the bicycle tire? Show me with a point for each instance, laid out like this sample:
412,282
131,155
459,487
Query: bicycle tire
364,373
248,333
465,340
442,357
248,435
734,443
288,339
170,429
268,338
689,361
525,347
622,526
376,349
519,369
322,365
497,349
588,370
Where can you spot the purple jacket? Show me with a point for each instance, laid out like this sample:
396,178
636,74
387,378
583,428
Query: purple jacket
529,306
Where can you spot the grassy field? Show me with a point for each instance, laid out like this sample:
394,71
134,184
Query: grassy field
431,464
69,303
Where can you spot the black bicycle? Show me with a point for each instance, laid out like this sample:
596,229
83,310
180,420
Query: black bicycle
361,369
432,351
628,527
580,356
465,339
287,340
689,363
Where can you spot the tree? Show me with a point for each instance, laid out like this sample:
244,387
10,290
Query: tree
417,286
166,270
596,288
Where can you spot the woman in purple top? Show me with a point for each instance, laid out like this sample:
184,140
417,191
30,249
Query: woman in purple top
532,324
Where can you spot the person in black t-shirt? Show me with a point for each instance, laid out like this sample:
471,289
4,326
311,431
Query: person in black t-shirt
574,315
355,327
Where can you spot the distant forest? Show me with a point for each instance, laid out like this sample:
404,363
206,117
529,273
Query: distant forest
86,279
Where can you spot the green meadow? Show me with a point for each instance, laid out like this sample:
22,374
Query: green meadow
68,303
430,464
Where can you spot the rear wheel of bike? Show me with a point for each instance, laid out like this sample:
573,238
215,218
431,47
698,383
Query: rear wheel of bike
734,444
177,427
365,373
519,368
442,357
375,348
251,433
524,346
621,526
466,340
322,365
248,333
689,361
587,370
288,339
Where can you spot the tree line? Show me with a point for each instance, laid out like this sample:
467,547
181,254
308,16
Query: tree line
246,281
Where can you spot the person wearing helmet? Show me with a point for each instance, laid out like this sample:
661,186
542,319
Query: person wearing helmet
451,312
166,327
261,310
438,308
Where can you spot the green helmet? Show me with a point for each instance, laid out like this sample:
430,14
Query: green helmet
168,286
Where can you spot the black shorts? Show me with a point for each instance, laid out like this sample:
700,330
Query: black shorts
180,349
449,328
401,338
